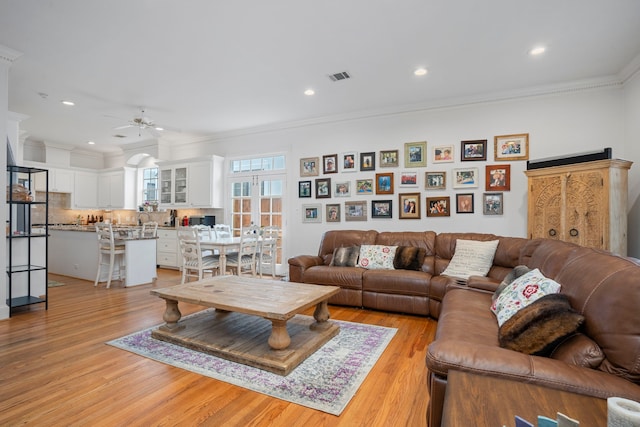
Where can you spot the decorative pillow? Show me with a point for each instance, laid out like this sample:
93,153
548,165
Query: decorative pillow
522,292
580,350
540,325
409,258
517,271
377,257
345,257
471,258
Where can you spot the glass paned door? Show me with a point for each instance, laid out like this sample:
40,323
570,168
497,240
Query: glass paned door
259,200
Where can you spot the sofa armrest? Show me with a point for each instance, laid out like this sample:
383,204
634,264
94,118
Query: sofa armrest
483,283
444,354
298,264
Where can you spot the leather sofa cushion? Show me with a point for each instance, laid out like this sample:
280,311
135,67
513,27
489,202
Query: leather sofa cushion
402,282
343,238
580,350
345,277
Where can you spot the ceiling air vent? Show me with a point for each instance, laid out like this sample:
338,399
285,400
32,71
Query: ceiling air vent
339,76
119,136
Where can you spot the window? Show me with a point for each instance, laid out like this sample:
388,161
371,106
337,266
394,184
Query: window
258,164
150,185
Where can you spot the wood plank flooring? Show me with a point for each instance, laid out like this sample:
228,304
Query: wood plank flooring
56,370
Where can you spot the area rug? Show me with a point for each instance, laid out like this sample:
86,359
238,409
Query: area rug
54,284
327,380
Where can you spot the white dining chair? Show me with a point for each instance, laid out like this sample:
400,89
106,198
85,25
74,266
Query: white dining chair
245,258
149,229
110,255
194,263
222,231
268,249
205,233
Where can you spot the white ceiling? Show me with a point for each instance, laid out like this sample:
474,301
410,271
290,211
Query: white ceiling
206,67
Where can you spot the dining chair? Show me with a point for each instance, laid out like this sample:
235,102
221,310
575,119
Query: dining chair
149,229
268,249
222,231
245,258
194,263
108,253
204,232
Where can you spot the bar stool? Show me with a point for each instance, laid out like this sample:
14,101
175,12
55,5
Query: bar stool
149,229
107,253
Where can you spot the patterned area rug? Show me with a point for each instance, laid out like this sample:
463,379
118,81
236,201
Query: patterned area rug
326,380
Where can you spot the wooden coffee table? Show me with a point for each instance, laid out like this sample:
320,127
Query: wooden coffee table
256,321
491,401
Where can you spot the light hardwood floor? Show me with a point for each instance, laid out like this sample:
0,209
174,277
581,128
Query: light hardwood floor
56,370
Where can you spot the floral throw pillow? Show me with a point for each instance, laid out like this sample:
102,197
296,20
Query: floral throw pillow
377,257
522,292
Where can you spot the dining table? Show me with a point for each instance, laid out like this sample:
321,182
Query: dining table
224,246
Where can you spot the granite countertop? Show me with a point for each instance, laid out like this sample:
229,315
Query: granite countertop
121,232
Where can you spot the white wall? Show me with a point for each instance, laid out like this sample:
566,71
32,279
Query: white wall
632,138
561,124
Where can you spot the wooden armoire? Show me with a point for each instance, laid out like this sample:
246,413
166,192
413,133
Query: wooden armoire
583,203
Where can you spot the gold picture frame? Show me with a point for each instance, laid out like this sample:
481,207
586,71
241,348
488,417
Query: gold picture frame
511,147
415,154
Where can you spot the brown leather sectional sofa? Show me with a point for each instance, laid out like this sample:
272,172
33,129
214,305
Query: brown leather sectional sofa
603,288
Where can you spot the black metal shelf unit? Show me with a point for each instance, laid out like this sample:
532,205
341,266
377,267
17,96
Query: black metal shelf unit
26,253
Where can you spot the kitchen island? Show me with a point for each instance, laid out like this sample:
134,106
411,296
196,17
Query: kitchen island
73,251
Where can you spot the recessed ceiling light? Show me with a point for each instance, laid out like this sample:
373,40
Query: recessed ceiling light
539,50
309,92
91,143
69,103
159,128
420,72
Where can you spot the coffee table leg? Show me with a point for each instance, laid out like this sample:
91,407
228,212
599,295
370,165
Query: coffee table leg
279,339
171,314
322,312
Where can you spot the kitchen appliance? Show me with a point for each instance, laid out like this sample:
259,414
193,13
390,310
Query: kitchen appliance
209,220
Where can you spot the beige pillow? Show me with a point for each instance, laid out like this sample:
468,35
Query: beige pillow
471,258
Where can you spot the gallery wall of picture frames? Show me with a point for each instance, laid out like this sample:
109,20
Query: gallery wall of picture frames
329,177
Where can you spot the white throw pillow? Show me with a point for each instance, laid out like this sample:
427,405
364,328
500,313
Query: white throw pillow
521,292
471,258
377,257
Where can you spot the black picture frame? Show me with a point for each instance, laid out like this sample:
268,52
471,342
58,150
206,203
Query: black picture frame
323,188
472,151
382,209
304,189
368,161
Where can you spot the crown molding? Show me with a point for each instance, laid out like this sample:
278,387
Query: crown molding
607,82
8,55
630,70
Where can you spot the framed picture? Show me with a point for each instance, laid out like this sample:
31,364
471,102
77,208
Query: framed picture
511,147
409,205
384,183
312,213
333,212
323,188
474,150
435,180
443,154
438,206
355,211
464,203
409,179
389,158
309,166
498,177
465,178
364,186
492,203
381,208
349,162
330,163
343,189
368,161
304,189
415,154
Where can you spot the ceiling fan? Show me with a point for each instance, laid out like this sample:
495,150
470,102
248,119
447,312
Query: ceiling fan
142,123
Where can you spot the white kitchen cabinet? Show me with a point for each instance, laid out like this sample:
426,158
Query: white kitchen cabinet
167,249
85,192
116,189
60,181
196,183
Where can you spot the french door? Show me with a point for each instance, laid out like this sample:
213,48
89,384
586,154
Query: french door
258,199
